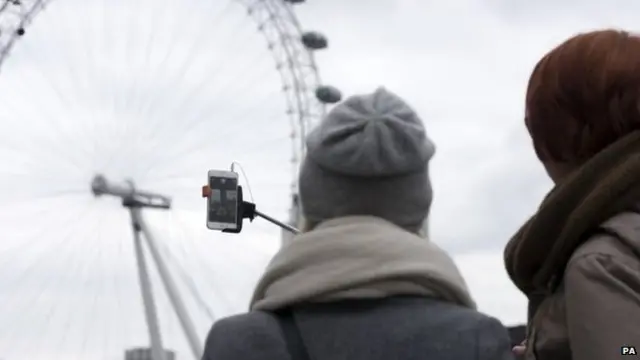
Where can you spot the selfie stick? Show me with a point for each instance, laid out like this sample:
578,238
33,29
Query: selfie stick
274,221
248,210
135,200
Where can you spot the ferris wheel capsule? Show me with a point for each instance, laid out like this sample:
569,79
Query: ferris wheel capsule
314,40
328,94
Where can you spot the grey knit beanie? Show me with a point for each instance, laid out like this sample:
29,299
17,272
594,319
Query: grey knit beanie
369,156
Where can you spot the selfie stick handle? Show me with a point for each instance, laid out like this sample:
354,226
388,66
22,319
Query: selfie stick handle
276,222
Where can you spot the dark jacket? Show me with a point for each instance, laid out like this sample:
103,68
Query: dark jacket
518,334
402,328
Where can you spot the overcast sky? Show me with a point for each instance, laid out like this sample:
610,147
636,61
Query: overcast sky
162,92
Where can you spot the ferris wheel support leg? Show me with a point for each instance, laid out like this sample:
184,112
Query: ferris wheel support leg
135,200
172,290
151,314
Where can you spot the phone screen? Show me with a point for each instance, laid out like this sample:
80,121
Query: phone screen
224,200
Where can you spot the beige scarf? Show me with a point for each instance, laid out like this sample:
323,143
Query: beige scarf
607,184
358,257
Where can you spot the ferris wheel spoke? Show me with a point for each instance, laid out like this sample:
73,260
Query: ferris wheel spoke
35,263
195,257
93,309
67,320
266,121
29,177
11,201
14,248
90,128
49,141
200,114
14,261
206,151
199,39
123,102
62,98
26,186
132,135
194,145
64,245
179,235
25,158
190,284
136,95
37,111
155,15
57,91
75,73
113,16
233,256
261,146
202,140
73,272
144,107
212,73
253,73
37,150
238,121
123,327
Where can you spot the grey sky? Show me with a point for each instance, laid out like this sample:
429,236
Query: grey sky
68,288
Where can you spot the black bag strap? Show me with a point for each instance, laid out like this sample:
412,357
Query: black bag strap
292,336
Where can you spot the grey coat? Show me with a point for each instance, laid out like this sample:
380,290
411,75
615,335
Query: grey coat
396,328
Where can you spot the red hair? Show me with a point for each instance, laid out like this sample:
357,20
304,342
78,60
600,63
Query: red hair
584,95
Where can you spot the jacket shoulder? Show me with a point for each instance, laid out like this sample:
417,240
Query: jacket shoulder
250,336
487,335
601,292
403,328
472,333
618,239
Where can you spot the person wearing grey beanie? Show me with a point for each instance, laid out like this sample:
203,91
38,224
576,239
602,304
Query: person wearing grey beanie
369,156
362,281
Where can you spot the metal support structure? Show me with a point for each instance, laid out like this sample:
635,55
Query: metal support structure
172,291
135,201
151,314
15,17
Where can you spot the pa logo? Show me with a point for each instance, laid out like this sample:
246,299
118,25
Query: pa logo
628,350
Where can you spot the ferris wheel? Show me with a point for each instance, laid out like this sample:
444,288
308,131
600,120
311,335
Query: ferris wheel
158,92
291,47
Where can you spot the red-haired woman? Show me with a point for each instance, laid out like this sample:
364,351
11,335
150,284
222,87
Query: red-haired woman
578,258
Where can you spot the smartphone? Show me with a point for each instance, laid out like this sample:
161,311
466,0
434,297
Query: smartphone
222,204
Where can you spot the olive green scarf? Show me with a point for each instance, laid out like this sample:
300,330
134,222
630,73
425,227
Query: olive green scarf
605,185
